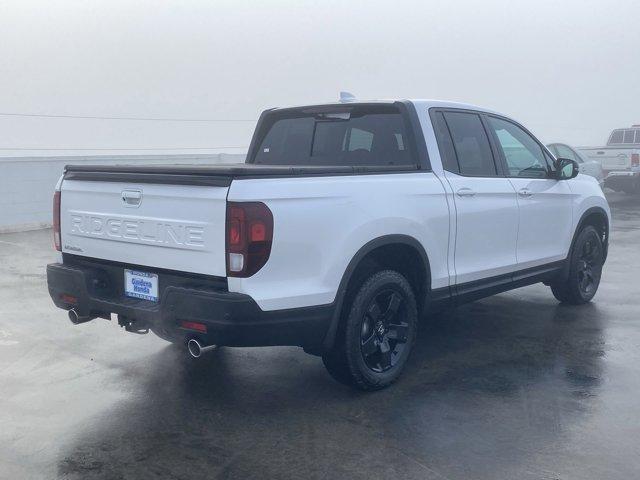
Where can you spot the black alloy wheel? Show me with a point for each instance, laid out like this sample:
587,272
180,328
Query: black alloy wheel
377,332
383,335
589,266
585,269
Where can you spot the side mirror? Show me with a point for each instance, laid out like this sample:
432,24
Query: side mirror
566,169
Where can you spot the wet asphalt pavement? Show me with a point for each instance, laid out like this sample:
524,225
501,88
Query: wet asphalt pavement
511,387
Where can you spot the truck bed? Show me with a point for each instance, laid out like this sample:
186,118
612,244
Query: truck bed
214,175
164,216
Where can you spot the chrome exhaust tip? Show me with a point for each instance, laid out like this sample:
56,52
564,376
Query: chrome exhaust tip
196,349
77,319
73,316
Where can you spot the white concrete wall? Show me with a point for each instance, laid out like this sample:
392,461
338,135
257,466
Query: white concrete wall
27,183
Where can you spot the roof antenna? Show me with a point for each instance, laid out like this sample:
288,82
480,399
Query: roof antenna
346,97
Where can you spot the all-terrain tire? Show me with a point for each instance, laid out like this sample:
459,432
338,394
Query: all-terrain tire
377,335
585,269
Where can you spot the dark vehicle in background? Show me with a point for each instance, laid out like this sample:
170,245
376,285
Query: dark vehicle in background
620,159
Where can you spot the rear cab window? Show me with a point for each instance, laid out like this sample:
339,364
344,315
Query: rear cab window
445,144
616,137
629,136
341,135
470,143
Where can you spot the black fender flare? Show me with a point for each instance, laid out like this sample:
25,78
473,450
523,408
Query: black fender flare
587,213
351,268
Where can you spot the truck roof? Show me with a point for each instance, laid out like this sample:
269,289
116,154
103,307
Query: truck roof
424,103
430,103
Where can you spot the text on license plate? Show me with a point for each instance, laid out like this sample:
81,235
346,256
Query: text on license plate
141,285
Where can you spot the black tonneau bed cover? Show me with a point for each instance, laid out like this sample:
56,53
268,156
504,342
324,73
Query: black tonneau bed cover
215,175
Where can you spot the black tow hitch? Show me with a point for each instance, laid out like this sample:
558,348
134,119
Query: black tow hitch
133,325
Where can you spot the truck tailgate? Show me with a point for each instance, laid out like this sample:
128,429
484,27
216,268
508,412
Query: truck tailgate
611,158
616,160
164,226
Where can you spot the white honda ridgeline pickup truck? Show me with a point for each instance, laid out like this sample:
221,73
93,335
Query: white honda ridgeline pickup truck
345,223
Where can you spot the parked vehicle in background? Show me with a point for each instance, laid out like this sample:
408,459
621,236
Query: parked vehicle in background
345,223
587,166
620,159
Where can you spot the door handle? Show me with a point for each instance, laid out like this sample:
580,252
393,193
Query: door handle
465,192
525,192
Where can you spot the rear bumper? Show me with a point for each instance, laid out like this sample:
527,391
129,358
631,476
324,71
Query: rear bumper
231,319
621,180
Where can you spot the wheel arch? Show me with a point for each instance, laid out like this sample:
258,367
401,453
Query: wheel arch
594,216
598,218
359,261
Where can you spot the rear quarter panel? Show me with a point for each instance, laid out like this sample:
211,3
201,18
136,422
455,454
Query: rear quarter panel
320,223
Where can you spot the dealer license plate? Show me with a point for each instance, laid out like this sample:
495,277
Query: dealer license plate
141,285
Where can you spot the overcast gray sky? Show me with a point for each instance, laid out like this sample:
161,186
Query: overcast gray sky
569,70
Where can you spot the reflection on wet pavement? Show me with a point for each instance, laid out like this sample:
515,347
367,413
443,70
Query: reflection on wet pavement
514,386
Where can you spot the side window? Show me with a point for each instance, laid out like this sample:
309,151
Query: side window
445,144
616,136
522,153
566,152
471,144
551,163
628,136
551,160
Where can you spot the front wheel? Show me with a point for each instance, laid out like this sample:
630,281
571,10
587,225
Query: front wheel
379,331
585,269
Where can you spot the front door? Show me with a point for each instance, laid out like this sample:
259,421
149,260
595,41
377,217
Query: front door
545,204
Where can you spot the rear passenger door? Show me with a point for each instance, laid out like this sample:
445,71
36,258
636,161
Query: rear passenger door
545,204
485,202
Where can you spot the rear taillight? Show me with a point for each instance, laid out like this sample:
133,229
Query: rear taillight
249,236
635,159
57,242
